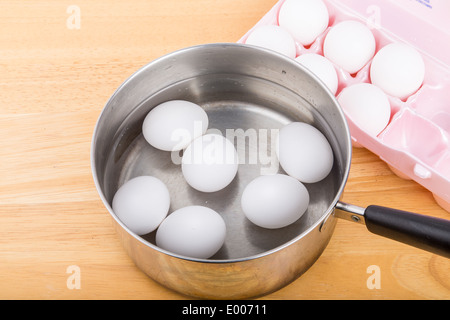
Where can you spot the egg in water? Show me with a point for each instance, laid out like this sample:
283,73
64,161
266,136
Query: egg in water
141,204
305,20
304,152
274,201
398,69
173,125
196,232
210,163
367,106
274,38
349,45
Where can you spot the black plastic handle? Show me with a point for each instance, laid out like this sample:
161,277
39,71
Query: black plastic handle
424,232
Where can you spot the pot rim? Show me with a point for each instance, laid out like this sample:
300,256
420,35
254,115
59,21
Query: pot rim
330,210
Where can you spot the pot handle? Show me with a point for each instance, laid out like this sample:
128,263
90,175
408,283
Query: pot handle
424,232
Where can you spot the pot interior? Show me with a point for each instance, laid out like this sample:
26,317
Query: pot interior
247,108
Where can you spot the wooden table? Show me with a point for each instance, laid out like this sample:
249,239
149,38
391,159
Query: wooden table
59,63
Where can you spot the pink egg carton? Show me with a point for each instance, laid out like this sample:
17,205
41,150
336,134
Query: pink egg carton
416,142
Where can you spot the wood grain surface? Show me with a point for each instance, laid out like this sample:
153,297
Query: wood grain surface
57,73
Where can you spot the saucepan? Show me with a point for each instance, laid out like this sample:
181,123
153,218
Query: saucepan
246,88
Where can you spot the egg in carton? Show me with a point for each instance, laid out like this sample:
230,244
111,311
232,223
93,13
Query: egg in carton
415,139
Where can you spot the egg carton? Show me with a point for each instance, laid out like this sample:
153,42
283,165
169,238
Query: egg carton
416,142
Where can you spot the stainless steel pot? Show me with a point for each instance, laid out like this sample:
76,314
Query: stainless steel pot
248,88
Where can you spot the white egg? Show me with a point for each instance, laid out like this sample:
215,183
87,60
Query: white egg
274,38
322,68
210,163
274,201
367,106
398,69
141,204
195,232
304,152
350,45
172,125
304,19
